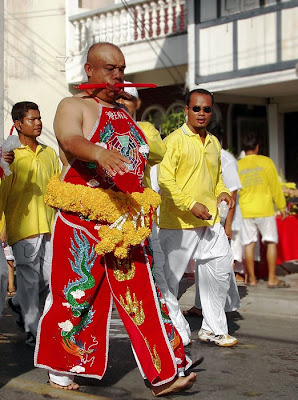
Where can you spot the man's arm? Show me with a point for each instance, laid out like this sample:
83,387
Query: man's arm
168,184
276,189
167,177
229,219
232,182
68,127
5,187
157,148
221,192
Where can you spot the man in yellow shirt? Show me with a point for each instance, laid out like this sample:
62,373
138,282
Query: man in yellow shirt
261,189
130,99
8,157
28,219
191,185
157,148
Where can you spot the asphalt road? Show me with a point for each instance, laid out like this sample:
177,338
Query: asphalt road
263,365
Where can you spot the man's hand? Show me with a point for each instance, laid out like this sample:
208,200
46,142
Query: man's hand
200,211
284,213
8,157
112,161
227,198
3,236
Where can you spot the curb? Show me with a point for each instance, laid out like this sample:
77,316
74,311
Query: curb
256,300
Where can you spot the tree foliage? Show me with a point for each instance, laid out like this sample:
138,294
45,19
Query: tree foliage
171,122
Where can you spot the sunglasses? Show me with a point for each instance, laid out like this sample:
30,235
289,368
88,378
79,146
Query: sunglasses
206,110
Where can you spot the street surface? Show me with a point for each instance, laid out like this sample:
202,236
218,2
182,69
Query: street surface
263,365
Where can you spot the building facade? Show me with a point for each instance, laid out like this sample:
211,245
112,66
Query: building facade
34,52
244,51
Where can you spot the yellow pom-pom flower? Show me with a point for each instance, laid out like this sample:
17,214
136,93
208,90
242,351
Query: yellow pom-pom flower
125,218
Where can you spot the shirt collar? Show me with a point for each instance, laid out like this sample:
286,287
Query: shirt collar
187,131
38,148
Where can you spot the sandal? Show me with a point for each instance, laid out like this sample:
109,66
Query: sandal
279,285
196,363
11,293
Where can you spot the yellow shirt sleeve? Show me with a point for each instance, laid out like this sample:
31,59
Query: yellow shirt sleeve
2,222
156,145
5,186
167,175
275,186
157,149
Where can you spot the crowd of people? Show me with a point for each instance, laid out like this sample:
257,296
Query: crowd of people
86,237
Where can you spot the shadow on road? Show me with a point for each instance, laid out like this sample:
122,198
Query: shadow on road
15,357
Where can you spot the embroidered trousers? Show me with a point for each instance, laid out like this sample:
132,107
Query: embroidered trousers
74,329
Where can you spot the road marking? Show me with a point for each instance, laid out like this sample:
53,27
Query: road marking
41,388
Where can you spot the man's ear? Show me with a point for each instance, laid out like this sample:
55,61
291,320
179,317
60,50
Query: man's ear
186,111
88,69
17,125
139,103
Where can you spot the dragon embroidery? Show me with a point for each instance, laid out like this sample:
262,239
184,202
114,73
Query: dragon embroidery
82,263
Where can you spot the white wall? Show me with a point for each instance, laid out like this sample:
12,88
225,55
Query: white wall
1,70
257,46
34,56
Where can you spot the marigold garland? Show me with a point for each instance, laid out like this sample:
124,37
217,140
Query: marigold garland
127,216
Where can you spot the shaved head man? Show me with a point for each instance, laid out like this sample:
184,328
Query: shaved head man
103,150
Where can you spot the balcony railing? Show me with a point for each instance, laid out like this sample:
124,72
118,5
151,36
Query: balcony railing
139,21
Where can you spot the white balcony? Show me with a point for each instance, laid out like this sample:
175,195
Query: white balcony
147,32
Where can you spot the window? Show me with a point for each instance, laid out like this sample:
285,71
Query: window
208,10
229,7
154,114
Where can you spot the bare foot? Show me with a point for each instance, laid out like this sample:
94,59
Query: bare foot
178,385
253,282
71,386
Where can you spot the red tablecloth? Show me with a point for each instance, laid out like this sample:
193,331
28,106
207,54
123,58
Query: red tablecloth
287,249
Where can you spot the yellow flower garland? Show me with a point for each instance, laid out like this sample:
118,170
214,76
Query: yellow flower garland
127,215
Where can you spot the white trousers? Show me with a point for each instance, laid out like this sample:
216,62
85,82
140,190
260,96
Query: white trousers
33,263
3,279
175,313
232,300
210,248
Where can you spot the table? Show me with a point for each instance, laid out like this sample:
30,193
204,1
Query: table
287,248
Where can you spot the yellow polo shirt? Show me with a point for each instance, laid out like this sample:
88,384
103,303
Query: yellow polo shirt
157,149
190,172
22,193
261,187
